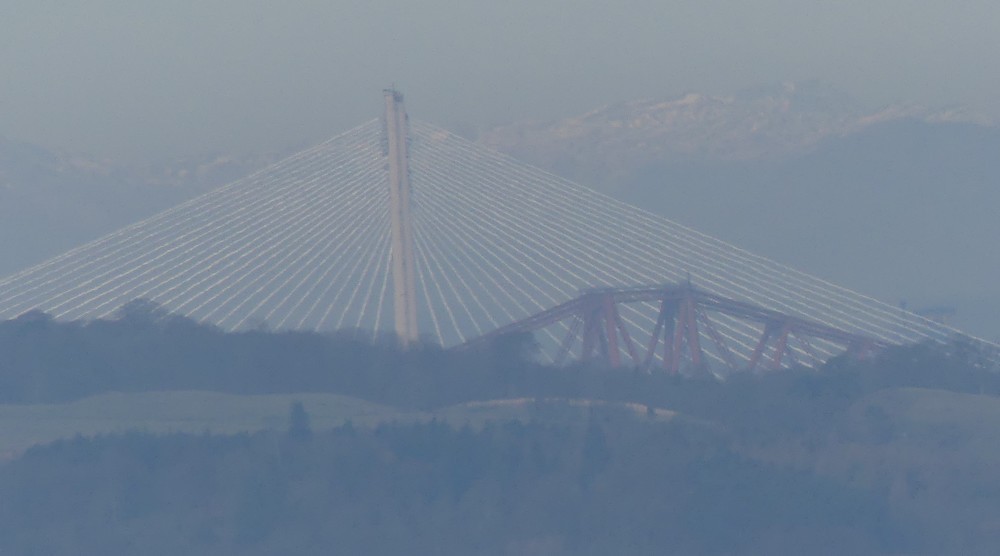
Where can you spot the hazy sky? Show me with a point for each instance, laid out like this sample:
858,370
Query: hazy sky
146,79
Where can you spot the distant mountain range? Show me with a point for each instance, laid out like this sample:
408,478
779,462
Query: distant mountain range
605,145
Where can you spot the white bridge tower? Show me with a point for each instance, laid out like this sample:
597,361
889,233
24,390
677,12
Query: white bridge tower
403,271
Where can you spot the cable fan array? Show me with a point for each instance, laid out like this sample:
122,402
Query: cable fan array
302,244
305,245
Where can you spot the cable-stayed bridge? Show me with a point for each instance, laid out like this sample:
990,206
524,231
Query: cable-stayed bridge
399,226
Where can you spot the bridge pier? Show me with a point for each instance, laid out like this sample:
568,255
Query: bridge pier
603,328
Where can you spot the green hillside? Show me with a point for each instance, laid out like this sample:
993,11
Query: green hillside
22,426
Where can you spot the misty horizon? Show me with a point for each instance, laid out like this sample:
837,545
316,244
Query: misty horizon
138,82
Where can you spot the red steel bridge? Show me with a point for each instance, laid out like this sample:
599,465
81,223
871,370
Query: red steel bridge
683,318
399,228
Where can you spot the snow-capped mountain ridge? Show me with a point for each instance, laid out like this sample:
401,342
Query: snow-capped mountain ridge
762,123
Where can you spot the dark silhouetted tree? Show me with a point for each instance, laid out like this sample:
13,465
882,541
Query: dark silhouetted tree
299,426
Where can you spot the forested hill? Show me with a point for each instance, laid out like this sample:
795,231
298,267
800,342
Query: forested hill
895,455
147,349
511,488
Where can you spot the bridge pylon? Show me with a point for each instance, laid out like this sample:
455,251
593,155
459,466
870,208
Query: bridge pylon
401,220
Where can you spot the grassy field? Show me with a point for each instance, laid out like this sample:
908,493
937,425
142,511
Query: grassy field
565,411
923,417
912,440
160,412
22,426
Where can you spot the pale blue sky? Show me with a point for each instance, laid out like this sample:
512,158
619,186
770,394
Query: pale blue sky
143,80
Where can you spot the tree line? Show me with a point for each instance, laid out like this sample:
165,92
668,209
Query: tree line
784,462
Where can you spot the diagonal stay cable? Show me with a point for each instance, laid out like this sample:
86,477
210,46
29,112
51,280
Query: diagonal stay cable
153,254
325,215
322,218
170,262
584,231
604,201
521,256
80,259
524,229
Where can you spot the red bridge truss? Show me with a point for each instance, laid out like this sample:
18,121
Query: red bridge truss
683,324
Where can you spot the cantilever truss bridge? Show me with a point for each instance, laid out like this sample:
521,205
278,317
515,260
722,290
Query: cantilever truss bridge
399,227
683,315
